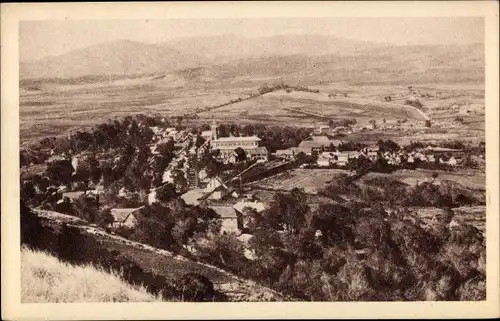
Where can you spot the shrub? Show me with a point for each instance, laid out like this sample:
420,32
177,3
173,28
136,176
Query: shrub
196,287
31,227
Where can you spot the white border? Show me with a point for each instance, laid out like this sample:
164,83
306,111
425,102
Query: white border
13,13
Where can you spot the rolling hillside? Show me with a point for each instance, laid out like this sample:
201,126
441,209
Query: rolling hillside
300,58
121,57
232,46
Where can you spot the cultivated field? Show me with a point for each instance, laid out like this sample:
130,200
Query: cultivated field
57,107
311,180
472,179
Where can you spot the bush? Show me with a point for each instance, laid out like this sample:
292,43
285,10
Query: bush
31,227
196,287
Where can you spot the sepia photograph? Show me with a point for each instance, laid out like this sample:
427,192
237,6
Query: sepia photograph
285,159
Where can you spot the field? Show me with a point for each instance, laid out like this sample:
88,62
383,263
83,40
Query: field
54,108
49,107
474,180
45,279
311,180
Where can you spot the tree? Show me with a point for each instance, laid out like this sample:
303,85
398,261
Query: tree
89,170
388,146
60,171
459,120
287,211
166,149
103,217
241,155
166,192
196,287
361,165
427,123
179,180
86,208
31,227
199,141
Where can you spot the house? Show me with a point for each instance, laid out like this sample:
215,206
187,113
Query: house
98,189
232,222
206,134
284,154
342,159
322,130
371,126
298,150
73,196
216,188
372,155
452,161
241,209
125,217
442,151
258,153
323,161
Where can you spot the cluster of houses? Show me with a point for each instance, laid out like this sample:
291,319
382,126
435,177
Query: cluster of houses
329,154
203,189
229,202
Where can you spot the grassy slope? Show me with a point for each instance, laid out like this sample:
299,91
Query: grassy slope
169,265
46,279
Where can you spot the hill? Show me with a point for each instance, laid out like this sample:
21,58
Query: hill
300,58
390,65
45,278
150,260
121,57
232,46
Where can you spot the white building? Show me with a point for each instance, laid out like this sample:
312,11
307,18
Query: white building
227,145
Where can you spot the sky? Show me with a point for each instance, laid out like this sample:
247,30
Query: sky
38,39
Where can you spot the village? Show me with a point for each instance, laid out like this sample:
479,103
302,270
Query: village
231,196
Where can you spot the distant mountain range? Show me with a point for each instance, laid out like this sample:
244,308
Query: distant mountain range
236,55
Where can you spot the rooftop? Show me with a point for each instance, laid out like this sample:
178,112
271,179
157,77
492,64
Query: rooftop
238,139
284,152
224,211
240,206
121,214
73,195
191,197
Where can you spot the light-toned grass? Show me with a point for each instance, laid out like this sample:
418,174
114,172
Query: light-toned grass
45,279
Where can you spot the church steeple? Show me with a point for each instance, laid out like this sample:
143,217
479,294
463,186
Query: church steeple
214,129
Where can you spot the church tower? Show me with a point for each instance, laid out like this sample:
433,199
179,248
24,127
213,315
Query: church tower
214,129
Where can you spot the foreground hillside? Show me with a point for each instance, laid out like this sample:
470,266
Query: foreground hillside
45,278
155,268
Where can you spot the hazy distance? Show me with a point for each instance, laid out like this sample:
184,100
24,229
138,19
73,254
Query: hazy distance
38,39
